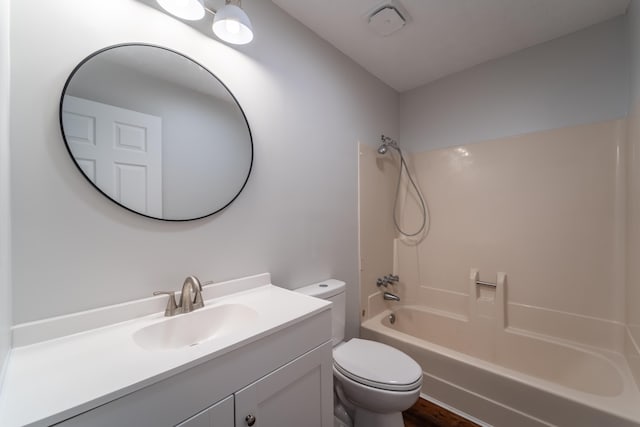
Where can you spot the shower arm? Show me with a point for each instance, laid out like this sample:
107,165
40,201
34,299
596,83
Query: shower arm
389,142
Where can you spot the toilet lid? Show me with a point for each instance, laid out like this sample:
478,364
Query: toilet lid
377,365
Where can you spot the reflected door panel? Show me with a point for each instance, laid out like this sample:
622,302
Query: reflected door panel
119,150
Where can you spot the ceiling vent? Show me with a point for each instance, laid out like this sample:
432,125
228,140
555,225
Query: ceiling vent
386,21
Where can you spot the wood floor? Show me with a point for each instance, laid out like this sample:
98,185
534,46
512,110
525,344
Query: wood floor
427,414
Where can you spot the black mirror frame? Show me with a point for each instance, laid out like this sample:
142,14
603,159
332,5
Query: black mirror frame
60,111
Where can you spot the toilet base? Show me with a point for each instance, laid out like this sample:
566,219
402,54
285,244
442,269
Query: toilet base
337,422
364,418
372,407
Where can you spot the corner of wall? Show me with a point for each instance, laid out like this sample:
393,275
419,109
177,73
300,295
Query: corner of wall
5,194
633,37
632,285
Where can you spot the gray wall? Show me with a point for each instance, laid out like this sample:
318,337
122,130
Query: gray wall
307,105
5,215
576,79
633,17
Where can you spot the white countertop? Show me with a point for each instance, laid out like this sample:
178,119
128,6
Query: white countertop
55,379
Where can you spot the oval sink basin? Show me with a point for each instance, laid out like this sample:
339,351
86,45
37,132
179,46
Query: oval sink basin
190,329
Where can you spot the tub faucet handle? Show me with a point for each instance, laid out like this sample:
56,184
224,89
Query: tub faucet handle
392,278
381,282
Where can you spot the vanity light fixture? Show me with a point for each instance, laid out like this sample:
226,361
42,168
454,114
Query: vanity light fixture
230,23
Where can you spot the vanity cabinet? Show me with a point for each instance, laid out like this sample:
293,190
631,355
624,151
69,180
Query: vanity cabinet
218,415
290,396
282,379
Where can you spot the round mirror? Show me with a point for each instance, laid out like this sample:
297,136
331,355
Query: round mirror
156,132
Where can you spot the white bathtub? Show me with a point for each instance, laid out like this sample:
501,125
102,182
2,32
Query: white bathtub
508,377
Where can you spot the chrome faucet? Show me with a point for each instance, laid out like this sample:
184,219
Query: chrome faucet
388,296
190,297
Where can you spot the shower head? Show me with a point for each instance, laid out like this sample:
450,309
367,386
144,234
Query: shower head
386,143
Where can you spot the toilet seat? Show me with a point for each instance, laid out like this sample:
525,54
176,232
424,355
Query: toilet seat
377,365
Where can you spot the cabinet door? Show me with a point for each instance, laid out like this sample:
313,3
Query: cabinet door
218,415
298,394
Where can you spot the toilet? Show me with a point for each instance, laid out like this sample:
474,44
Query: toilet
373,382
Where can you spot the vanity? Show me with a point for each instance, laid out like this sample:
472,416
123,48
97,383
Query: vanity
255,354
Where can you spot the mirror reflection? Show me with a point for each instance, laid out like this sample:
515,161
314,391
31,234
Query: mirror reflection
156,132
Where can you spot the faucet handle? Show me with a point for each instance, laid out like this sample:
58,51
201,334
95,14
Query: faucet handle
172,307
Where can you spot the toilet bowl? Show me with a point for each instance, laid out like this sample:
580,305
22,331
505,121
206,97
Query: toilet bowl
373,382
378,382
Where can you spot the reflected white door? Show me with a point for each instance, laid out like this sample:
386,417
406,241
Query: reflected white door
119,150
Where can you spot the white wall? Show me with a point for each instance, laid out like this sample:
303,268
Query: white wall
576,79
307,105
5,215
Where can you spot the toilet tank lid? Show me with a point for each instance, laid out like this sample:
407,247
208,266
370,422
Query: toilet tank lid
325,289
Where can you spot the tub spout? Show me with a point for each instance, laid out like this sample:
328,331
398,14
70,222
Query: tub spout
388,296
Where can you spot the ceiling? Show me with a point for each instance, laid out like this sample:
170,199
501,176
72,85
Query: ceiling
442,37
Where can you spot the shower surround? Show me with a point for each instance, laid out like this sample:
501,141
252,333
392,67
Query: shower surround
547,209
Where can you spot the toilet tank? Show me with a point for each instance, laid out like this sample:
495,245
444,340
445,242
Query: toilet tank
334,291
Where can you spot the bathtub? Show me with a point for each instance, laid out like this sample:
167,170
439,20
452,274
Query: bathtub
509,377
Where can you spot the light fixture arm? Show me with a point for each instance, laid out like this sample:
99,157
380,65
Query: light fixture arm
213,12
